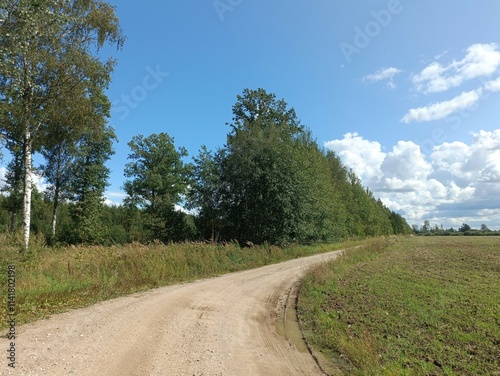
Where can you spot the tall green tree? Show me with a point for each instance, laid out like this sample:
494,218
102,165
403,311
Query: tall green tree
206,193
327,214
88,183
275,184
73,121
264,171
157,181
47,47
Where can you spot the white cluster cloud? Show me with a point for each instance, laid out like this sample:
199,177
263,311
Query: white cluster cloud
355,151
477,162
383,74
3,171
457,183
493,85
113,198
482,61
441,110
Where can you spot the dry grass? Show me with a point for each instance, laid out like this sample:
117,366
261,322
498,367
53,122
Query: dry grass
52,280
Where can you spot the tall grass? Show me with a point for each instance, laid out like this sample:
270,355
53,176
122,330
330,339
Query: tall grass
420,306
51,280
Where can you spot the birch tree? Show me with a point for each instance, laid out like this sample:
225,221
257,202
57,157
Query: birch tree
75,116
47,48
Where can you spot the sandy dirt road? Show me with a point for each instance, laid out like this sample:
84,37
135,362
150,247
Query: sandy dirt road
228,325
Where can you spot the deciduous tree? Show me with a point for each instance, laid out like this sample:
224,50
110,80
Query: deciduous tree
157,180
88,183
206,193
47,47
265,171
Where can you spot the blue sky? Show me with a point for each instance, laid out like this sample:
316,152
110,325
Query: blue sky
404,91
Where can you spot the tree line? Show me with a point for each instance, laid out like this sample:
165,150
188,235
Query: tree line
428,230
271,182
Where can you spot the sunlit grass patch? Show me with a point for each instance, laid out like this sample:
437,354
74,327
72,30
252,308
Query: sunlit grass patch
418,306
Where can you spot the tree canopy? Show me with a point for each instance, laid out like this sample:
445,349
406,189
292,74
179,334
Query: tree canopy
157,179
271,182
48,52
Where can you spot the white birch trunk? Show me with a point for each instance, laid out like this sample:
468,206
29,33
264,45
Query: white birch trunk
27,189
54,223
55,203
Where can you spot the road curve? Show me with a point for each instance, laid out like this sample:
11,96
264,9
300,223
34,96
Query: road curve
218,326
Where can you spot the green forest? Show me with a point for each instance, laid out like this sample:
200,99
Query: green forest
271,182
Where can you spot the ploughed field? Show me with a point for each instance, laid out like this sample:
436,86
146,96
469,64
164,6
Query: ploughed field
414,306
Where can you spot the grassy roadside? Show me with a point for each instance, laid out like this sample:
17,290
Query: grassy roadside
52,280
418,306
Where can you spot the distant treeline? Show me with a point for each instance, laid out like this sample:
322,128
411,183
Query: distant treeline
463,230
271,182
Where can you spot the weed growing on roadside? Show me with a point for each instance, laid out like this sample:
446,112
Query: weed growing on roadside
52,280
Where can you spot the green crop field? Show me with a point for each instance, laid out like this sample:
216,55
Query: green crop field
414,306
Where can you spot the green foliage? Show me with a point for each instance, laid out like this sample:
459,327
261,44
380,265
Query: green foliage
464,230
270,183
47,54
273,183
89,181
265,187
399,224
79,116
206,193
157,181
